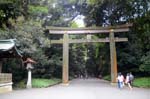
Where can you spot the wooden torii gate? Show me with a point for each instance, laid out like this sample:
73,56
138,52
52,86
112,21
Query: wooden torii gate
66,41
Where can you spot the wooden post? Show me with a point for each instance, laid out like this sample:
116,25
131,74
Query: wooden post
113,57
65,58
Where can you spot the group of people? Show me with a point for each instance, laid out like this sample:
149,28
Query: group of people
127,80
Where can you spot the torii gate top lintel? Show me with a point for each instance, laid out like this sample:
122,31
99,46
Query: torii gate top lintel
89,30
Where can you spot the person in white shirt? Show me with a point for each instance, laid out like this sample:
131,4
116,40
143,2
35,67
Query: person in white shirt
120,80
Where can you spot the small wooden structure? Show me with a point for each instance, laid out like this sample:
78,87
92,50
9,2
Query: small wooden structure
29,67
8,49
5,82
66,41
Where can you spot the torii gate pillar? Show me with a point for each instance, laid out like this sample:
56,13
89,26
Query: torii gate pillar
65,71
113,57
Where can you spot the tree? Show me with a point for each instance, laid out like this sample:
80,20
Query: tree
31,40
13,9
142,29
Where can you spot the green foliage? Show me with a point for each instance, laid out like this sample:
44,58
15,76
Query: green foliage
107,77
78,64
142,82
20,85
140,41
38,9
98,46
32,41
2,14
72,1
94,2
9,9
8,1
52,1
74,24
40,83
145,66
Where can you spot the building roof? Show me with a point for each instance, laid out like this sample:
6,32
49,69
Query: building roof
8,49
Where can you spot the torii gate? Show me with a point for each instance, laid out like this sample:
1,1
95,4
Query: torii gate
112,39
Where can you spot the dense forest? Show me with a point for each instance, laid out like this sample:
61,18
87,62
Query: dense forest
26,21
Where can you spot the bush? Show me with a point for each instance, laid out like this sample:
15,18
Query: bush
20,85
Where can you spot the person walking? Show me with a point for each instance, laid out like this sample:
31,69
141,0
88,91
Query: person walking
120,80
129,79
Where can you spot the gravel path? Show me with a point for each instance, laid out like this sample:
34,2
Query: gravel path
80,89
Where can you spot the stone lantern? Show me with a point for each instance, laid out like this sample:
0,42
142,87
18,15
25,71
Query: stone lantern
29,67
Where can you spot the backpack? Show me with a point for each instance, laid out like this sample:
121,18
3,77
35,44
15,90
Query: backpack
131,77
